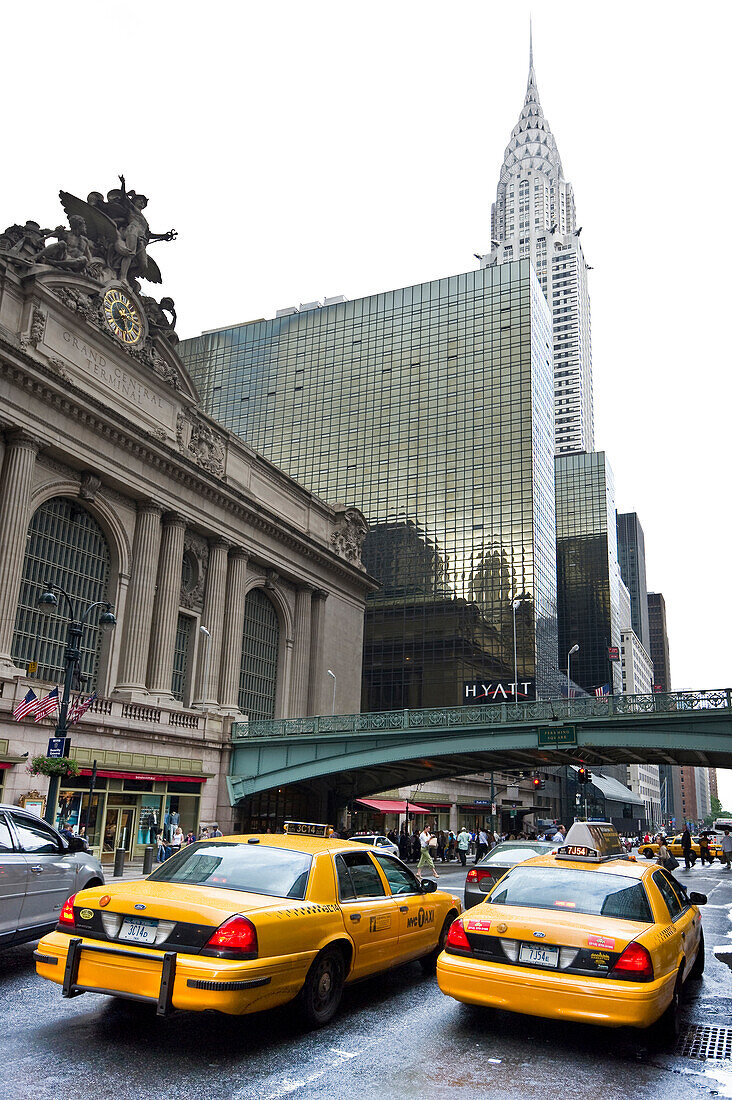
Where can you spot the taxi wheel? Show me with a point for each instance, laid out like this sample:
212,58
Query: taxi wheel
648,853
429,962
323,988
668,1027
698,968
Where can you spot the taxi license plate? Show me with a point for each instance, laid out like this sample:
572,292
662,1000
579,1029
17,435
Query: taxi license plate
538,956
138,930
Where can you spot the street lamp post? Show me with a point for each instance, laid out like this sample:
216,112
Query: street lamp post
514,607
334,688
574,649
75,631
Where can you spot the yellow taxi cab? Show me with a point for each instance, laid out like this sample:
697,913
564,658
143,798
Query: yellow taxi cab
650,850
245,923
588,935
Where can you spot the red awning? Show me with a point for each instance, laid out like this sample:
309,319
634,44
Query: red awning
138,775
391,806
4,765
437,805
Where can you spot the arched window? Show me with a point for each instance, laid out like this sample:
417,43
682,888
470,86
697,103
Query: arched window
259,653
65,545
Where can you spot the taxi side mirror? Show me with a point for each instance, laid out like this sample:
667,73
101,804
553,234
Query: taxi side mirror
697,899
428,886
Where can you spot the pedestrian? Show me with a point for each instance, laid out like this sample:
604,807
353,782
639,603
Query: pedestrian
689,859
559,836
727,849
481,848
463,844
216,831
403,844
425,855
176,839
190,837
441,845
705,854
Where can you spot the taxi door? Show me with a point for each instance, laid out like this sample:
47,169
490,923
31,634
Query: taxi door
685,919
369,913
418,914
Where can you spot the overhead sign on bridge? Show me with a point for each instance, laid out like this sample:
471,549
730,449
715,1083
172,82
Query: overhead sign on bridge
557,737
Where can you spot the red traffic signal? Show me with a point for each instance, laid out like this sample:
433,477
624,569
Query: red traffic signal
539,783
584,775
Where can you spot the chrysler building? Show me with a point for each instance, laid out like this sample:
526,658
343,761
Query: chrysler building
534,217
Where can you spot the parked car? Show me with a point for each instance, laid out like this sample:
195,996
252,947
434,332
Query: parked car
483,877
382,843
39,870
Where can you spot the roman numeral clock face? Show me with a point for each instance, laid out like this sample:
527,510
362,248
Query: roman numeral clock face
122,317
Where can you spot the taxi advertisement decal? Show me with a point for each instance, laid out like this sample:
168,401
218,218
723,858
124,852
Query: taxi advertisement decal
420,919
601,960
601,941
379,922
477,925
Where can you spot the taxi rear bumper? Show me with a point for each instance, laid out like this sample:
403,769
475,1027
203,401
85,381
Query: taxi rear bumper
554,995
169,980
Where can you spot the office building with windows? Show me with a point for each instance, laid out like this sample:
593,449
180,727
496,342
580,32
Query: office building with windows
534,217
632,561
430,409
588,593
658,642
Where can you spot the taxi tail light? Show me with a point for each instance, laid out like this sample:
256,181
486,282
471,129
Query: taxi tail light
66,916
236,938
475,874
456,937
635,964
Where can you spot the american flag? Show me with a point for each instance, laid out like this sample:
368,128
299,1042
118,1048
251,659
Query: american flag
604,689
26,705
50,703
79,709
569,693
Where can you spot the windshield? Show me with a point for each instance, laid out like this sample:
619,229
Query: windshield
574,891
516,853
256,869
364,839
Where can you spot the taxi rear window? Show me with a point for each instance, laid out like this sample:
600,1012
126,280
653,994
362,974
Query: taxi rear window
571,891
278,872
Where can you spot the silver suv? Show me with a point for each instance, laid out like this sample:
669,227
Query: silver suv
39,870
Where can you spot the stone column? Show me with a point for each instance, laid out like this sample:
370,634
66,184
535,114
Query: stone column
301,653
213,619
15,493
140,598
167,602
317,656
233,628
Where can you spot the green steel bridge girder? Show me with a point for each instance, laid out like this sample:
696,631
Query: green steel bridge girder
415,746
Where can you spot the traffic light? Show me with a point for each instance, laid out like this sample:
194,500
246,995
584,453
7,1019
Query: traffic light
584,775
539,783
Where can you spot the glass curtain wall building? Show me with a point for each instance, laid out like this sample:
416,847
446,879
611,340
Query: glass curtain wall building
587,568
632,561
431,409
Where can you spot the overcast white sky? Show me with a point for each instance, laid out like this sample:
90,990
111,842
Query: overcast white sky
311,149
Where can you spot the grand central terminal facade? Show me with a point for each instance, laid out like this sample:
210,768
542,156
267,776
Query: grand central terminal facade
236,592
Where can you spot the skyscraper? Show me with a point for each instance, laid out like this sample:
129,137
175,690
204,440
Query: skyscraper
429,408
658,641
534,217
632,561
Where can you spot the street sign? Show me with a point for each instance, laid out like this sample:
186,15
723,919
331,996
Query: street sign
557,737
32,668
613,653
56,747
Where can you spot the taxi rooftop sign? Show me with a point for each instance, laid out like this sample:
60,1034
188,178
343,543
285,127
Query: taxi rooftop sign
306,828
557,737
592,842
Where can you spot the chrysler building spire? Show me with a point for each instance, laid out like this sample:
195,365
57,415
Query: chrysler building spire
534,218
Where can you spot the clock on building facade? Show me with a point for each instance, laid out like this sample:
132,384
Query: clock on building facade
122,317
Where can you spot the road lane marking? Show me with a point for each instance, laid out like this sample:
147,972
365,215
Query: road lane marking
290,1085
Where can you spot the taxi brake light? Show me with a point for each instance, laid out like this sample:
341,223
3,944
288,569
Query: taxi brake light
476,874
66,916
456,937
236,938
635,964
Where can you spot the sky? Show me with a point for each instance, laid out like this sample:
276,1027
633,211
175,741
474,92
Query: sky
304,150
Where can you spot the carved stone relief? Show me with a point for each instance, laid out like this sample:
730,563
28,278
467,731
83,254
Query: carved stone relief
349,534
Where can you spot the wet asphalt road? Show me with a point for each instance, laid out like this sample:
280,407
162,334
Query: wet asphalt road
395,1036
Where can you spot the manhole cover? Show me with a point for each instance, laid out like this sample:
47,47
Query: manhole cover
706,1041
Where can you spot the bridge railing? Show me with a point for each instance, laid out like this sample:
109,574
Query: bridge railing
488,714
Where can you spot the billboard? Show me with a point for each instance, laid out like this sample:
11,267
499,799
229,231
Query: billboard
498,691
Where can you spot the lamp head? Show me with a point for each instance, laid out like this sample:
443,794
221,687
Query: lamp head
331,674
107,620
206,633
574,649
47,602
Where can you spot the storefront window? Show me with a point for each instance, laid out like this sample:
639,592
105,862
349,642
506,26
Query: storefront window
149,819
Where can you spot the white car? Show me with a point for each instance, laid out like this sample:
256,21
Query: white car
374,840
